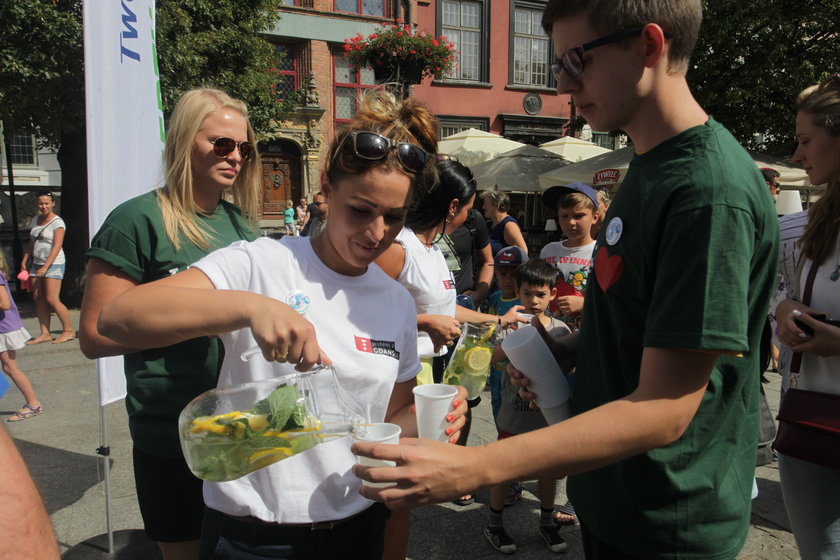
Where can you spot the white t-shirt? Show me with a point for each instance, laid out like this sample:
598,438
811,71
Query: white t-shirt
366,325
573,264
429,281
43,237
821,373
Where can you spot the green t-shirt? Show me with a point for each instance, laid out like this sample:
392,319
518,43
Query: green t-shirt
686,259
161,381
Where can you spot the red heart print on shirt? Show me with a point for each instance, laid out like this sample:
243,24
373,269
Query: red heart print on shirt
608,269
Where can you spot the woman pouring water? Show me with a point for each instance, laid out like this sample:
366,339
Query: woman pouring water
306,301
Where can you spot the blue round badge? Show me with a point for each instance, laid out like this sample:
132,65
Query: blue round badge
614,230
298,301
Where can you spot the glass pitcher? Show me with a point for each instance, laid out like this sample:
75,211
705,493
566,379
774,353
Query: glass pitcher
229,432
470,363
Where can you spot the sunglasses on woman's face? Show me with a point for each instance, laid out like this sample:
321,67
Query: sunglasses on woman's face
374,146
223,147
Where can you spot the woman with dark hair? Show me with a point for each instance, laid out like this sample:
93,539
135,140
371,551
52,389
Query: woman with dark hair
45,257
504,229
415,261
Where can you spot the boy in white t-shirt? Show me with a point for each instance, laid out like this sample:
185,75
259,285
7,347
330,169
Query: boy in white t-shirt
577,211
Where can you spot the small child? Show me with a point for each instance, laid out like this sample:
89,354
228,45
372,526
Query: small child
505,263
577,212
13,336
535,281
289,218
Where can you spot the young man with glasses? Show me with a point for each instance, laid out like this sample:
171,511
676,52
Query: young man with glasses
662,445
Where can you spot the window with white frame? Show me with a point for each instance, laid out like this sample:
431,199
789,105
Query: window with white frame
364,7
23,150
349,83
463,24
530,48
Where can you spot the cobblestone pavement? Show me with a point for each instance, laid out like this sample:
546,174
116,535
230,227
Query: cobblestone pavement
59,447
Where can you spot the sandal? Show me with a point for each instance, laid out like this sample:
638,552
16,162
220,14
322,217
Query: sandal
565,514
464,500
25,412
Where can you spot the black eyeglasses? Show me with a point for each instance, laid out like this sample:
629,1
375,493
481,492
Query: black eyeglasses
223,146
374,146
572,59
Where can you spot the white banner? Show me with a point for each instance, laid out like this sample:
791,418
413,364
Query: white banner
125,132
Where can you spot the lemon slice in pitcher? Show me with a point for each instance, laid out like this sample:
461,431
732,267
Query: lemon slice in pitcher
486,336
266,457
476,360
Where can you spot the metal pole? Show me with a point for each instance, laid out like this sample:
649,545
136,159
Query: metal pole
105,452
17,246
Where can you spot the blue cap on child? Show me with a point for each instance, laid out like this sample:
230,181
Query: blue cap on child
552,195
510,256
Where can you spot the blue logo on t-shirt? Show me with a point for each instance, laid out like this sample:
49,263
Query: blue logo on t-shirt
298,301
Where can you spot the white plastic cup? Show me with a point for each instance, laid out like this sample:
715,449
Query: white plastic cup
528,353
433,402
381,432
558,413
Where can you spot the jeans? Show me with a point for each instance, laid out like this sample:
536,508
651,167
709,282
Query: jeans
55,271
811,499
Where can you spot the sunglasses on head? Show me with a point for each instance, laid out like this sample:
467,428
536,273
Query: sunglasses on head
223,147
374,146
572,60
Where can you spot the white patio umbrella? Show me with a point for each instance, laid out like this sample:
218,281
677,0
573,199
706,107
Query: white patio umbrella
574,149
608,170
516,170
473,146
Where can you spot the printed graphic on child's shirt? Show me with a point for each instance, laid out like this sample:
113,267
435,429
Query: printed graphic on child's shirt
572,285
573,266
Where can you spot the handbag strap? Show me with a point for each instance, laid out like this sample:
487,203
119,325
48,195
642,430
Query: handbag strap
796,359
40,233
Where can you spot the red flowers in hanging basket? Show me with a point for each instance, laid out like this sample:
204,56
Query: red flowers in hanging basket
396,45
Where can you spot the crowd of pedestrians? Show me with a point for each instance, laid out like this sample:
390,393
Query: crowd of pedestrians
663,359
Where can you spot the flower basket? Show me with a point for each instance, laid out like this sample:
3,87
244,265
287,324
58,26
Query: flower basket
406,72
398,54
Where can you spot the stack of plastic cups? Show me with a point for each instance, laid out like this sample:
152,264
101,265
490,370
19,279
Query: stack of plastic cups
528,352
